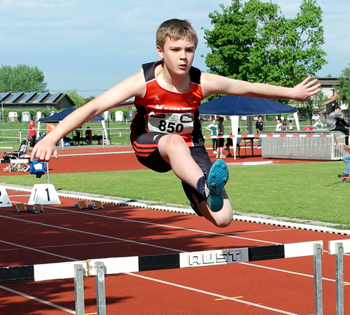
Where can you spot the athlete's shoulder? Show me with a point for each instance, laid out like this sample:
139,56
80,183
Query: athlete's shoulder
148,70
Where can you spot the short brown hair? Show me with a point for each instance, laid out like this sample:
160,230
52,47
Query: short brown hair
175,29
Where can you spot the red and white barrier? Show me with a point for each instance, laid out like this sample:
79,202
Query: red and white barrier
274,136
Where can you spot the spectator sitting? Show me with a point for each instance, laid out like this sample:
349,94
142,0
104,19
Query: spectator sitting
318,124
88,135
335,121
284,125
278,125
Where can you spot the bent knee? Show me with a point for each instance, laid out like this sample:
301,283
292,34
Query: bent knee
173,140
224,220
176,139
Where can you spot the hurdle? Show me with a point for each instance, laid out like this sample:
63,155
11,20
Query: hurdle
117,265
37,208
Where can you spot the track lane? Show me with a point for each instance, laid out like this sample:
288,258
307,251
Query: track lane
284,284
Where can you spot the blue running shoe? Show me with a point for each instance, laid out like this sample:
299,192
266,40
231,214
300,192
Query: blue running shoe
216,180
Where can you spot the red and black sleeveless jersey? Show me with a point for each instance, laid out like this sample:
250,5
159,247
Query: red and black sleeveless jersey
169,112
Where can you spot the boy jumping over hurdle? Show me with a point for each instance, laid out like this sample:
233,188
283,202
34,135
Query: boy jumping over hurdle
165,131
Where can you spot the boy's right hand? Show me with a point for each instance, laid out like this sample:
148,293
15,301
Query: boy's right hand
43,151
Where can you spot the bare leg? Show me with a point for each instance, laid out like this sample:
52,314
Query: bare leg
175,151
221,218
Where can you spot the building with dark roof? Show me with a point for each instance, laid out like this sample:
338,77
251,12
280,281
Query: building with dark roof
35,101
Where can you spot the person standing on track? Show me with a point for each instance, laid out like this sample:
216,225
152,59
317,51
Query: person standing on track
32,133
165,131
259,129
213,128
221,141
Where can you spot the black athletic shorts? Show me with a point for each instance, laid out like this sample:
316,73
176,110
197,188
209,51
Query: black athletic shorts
146,150
221,142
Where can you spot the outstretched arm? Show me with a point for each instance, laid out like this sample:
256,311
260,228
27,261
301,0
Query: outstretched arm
215,84
132,86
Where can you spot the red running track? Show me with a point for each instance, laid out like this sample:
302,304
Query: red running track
64,233
79,159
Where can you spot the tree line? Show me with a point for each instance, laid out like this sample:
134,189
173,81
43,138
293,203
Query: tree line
251,41
24,78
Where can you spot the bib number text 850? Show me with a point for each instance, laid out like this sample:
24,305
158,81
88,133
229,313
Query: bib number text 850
170,127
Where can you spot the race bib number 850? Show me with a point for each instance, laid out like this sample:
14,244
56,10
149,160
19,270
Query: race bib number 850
170,123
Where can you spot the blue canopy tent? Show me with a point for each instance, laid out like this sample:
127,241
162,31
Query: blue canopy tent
232,105
235,106
61,115
56,118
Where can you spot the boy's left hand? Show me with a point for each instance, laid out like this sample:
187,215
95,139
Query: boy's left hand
305,89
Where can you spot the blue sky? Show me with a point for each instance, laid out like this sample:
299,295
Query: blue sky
92,45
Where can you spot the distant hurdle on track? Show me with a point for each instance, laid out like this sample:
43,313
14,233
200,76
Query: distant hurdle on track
107,266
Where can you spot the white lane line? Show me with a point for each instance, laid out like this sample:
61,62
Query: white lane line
30,297
289,272
301,226
167,226
34,249
88,233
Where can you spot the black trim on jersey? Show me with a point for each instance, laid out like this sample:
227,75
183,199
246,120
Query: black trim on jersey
195,74
148,72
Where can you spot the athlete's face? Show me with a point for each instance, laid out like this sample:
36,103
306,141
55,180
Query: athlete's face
177,54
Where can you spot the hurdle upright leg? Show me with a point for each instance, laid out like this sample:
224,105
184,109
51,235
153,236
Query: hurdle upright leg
100,288
339,278
318,279
79,289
